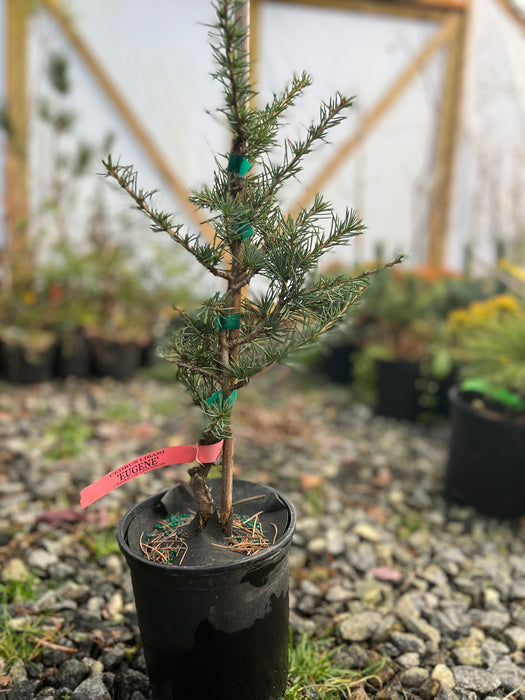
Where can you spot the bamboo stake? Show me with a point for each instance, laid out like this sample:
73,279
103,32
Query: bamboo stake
226,512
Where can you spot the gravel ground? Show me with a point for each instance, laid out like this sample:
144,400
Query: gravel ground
380,561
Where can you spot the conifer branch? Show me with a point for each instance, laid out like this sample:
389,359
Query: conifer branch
126,178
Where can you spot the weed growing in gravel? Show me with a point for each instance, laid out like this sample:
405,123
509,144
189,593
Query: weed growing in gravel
18,642
69,436
21,634
412,522
17,592
315,671
121,411
314,501
101,543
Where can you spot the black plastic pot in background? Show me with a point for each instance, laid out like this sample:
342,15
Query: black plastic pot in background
405,391
73,357
113,358
221,630
486,465
338,363
397,395
24,365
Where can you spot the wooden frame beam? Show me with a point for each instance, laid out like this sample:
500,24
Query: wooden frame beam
125,111
444,34
513,11
17,178
453,18
419,9
446,142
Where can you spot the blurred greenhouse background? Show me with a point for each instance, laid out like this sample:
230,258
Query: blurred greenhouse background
432,156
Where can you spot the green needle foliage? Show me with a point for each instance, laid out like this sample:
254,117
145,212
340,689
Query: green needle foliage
495,353
234,335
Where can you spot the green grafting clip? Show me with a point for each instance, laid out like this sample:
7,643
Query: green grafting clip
219,400
503,396
238,164
227,323
243,231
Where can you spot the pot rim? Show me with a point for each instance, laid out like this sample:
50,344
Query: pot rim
265,556
455,395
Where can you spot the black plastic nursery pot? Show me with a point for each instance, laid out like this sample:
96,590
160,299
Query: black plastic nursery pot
73,357
219,630
338,363
113,358
405,392
23,365
397,395
486,465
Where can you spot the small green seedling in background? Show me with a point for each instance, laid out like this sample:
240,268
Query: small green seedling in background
314,668
69,435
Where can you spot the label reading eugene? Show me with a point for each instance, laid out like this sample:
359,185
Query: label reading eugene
146,463
137,466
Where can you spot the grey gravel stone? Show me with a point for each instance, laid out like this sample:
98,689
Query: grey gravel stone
409,660
407,642
444,675
414,677
468,655
391,568
475,679
24,690
511,676
446,693
424,630
516,637
41,559
92,688
359,627
492,620
492,650
71,673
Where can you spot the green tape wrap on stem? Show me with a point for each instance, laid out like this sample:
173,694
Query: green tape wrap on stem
238,164
218,399
243,231
227,323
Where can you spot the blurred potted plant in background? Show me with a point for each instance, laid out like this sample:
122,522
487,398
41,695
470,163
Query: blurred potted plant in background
87,301
28,340
405,364
114,304
486,465
336,353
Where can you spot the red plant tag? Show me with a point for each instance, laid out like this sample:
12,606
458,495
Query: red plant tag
183,454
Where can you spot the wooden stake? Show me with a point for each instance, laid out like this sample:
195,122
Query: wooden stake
226,512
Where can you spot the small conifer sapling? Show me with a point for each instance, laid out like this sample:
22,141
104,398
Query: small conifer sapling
235,335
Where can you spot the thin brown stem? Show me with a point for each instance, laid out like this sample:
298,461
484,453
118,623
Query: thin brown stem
198,475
